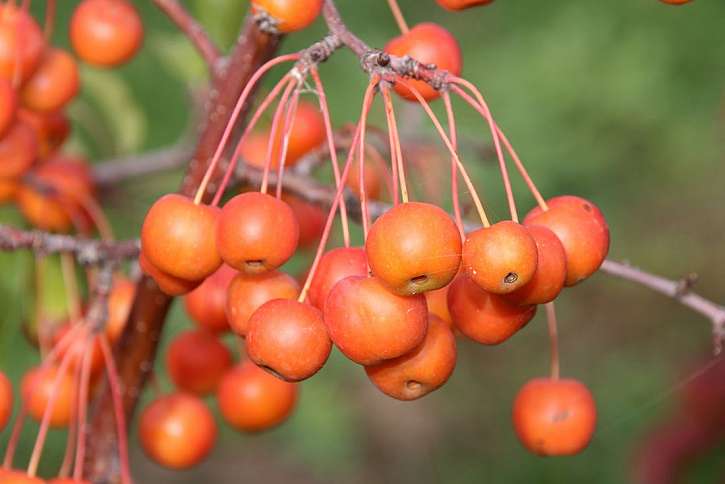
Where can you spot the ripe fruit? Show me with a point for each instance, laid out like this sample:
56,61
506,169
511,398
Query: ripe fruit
335,265
8,189
106,33
120,301
196,361
36,389
78,345
51,129
289,339
486,318
8,476
501,258
6,400
288,15
68,480
60,210
430,44
374,176
437,302
554,417
178,237
582,230
414,247
247,293
21,43
311,219
676,2
251,400
369,324
206,304
462,4
53,84
8,105
548,280
169,285
177,430
421,371
256,232
18,150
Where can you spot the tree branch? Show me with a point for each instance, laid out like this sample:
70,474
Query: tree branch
113,171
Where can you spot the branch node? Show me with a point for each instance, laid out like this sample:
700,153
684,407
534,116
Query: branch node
686,283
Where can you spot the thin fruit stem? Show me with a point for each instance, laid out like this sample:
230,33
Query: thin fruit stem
43,330
517,161
263,106
83,391
272,141
485,112
49,19
451,149
95,212
454,171
398,14
289,122
374,157
367,103
553,339
396,152
115,389
48,412
15,437
233,119
337,200
322,97
71,434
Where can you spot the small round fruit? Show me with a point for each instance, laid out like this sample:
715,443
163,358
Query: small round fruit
206,305
21,43
6,400
68,480
550,275
369,324
414,247
8,105
430,44
36,389
335,265
247,293
252,400
311,219
308,132
501,258
8,476
437,302
18,150
582,230
177,431
106,33
53,84
178,237
675,2
374,176
256,232
421,371
288,15
484,317
169,285
462,4
8,190
554,417
51,130
289,339
120,301
77,346
196,361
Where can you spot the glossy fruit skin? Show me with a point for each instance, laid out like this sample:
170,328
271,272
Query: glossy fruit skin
247,293
550,275
106,33
8,476
120,301
51,130
430,44
554,417
437,302
252,400
501,258
484,317
8,105
21,43
196,361
18,150
53,84
169,285
177,431
289,15
335,265
206,305
36,389
311,219
421,371
256,232
289,339
462,4
6,400
369,324
582,230
178,237
414,247
60,211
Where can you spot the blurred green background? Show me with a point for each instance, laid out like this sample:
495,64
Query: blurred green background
621,102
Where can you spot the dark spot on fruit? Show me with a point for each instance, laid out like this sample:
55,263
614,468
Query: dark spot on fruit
413,385
587,207
510,278
255,264
418,280
272,372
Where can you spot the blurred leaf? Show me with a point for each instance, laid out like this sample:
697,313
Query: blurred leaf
221,18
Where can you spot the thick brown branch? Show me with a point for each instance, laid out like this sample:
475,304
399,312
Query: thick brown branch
191,28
